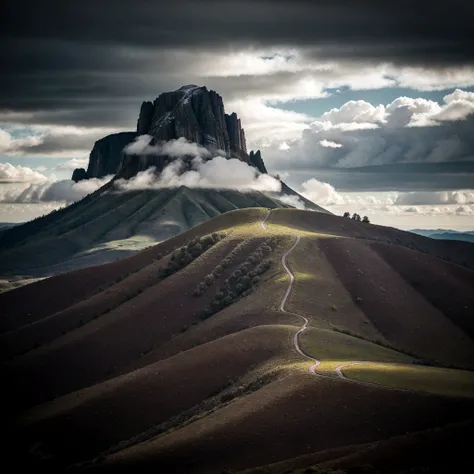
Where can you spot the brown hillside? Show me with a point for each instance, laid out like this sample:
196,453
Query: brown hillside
189,356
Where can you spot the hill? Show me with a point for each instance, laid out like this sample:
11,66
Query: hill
262,340
106,226
441,234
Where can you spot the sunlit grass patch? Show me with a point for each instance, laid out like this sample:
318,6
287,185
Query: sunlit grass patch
450,382
326,344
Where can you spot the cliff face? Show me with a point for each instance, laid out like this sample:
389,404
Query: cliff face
105,157
192,112
107,154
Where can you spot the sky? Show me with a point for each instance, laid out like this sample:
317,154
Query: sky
364,106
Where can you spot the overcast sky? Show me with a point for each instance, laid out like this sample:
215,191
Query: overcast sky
362,105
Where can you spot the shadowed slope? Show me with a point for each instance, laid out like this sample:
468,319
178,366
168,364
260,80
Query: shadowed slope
108,225
175,365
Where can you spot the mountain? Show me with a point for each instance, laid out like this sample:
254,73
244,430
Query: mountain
110,223
257,341
191,112
442,234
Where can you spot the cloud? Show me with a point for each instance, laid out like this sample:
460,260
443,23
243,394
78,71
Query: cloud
11,145
294,201
321,193
11,173
58,191
355,112
203,171
436,197
54,141
73,164
329,144
383,205
218,172
76,70
405,131
173,148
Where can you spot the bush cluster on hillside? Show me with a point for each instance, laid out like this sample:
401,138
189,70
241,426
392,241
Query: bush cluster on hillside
356,217
241,282
225,263
184,255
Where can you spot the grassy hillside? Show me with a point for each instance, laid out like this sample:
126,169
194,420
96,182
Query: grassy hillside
194,355
108,225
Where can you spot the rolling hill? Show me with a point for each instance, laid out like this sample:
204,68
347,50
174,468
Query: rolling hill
261,340
107,225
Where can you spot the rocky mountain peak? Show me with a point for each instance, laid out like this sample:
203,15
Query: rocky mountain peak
192,112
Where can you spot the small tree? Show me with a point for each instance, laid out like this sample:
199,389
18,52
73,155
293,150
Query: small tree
366,220
356,217
347,215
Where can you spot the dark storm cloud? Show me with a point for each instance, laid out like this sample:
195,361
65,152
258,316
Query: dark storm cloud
92,62
275,22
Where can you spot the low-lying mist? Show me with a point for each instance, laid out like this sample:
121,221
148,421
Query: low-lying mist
203,169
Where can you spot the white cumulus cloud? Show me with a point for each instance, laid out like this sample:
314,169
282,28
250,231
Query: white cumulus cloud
218,172
73,164
174,148
329,144
12,173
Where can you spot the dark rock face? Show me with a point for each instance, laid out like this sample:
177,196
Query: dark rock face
191,112
79,174
236,134
144,120
257,161
194,113
106,156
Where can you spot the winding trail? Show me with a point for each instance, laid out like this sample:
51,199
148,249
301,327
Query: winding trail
304,327
262,223
347,364
296,337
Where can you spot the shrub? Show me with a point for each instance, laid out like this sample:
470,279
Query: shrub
255,280
237,273
218,270
209,280
245,280
227,301
196,250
